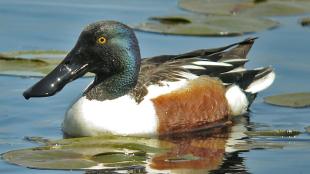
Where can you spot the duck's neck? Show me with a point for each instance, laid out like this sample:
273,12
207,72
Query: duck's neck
118,84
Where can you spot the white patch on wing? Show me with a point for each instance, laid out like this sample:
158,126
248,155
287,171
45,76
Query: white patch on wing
210,63
237,100
239,69
156,90
193,67
262,83
235,60
121,116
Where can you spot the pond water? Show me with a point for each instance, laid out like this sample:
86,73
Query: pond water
36,24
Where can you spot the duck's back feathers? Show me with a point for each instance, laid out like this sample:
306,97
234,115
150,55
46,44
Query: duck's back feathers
225,63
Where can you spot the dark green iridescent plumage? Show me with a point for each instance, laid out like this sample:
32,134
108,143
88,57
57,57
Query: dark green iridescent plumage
122,55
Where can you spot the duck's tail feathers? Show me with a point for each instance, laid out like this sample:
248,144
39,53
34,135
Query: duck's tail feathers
235,55
237,50
261,81
243,86
232,51
250,81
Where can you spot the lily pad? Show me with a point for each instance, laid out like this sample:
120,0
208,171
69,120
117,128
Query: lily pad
247,7
48,159
30,63
104,152
305,21
250,145
295,100
281,133
200,25
120,159
217,7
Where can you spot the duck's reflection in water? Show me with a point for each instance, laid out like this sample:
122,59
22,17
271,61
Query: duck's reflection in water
204,152
200,152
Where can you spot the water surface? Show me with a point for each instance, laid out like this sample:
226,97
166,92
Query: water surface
36,24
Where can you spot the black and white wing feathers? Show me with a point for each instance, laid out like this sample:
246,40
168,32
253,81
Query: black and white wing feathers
225,63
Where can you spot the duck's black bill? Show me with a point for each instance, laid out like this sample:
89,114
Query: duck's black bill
68,70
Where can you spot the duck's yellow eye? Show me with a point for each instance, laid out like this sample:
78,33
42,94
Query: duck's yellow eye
101,40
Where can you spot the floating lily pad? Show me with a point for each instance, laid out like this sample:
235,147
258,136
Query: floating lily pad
218,7
281,133
305,21
120,159
250,145
48,159
295,100
247,7
278,8
201,25
31,63
90,152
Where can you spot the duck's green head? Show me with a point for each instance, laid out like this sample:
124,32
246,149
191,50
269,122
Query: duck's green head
106,48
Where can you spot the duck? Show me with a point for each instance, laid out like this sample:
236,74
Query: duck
159,95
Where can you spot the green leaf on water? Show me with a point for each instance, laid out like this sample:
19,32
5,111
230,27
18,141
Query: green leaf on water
200,25
247,7
278,8
80,153
30,63
120,159
250,145
295,100
216,7
277,133
48,159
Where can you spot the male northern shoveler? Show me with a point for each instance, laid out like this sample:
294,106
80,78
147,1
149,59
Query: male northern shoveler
157,95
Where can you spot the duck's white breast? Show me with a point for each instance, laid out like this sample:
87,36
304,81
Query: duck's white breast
119,116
